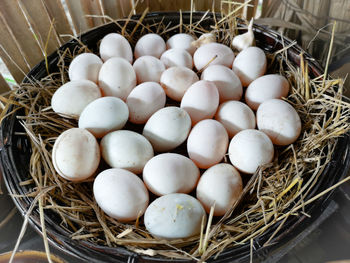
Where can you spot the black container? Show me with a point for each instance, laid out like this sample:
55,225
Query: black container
16,151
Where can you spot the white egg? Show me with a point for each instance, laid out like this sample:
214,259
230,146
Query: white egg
174,216
72,97
115,45
201,101
176,80
148,68
207,143
177,57
219,186
126,149
121,194
85,66
215,53
249,149
117,78
272,86
249,65
279,120
150,45
104,115
169,173
76,154
183,41
226,81
235,116
167,128
144,100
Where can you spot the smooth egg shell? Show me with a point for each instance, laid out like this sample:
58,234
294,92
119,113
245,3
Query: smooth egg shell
226,81
249,65
201,101
183,41
126,149
104,115
221,185
120,194
148,68
279,120
174,216
167,128
177,57
235,116
150,45
264,88
117,78
76,154
249,149
169,173
215,53
176,80
72,97
144,100
115,45
207,143
85,66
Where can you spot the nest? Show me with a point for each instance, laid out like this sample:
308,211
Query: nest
272,195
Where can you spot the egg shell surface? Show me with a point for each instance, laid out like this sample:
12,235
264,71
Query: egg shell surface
126,149
76,154
85,66
104,115
177,57
169,173
167,128
219,186
207,143
72,97
150,45
249,149
174,216
183,41
279,120
144,100
115,45
148,68
120,194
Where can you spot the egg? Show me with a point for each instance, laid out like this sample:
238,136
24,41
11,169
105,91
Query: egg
126,149
201,101
148,68
279,120
150,45
177,57
115,45
215,53
117,78
207,143
272,86
183,41
235,116
167,128
76,154
104,115
249,149
169,173
85,66
144,100
249,65
226,81
72,97
120,194
219,186
176,80
174,216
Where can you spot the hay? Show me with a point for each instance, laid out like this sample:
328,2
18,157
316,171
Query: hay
272,195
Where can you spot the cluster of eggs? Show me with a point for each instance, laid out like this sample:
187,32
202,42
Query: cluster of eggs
108,91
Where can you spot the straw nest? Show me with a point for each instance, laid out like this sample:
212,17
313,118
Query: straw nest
273,194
